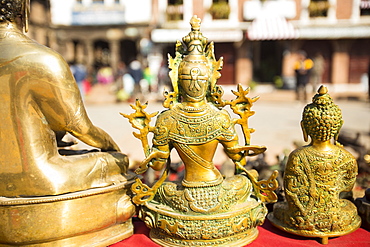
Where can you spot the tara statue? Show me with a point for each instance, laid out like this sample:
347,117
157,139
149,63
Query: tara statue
315,175
45,196
203,209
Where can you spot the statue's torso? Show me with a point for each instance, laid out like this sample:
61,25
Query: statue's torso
313,181
18,106
38,97
195,135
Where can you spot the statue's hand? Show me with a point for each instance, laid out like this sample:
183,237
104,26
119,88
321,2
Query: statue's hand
154,157
252,150
141,169
238,167
62,144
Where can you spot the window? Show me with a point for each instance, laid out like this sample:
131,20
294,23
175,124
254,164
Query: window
98,1
318,8
220,9
365,7
175,10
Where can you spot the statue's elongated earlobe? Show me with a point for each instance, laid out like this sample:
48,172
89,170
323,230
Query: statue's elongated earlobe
305,135
337,134
25,14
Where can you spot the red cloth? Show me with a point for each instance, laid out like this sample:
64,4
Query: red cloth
268,236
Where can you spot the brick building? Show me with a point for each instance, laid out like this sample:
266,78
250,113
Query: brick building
259,40
272,34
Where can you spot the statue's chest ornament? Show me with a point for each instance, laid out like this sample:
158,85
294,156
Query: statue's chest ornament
196,129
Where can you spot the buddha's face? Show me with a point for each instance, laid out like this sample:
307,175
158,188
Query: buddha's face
193,80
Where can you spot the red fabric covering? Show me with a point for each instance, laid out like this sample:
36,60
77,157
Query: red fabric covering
268,236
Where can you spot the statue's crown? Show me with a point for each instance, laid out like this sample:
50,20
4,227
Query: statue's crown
193,52
195,41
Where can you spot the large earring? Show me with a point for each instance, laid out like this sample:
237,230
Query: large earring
25,14
337,134
305,135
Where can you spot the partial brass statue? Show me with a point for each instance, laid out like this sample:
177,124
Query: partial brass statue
44,196
315,175
203,209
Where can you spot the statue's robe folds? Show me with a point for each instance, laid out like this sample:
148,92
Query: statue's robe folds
38,96
313,181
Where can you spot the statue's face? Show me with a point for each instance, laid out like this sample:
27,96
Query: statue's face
193,80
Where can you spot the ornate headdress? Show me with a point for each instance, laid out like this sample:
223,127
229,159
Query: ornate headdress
10,9
194,60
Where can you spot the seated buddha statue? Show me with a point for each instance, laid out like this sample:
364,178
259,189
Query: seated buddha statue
315,175
40,99
204,208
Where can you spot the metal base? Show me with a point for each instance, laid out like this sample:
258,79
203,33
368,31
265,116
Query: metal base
95,217
236,240
236,227
315,234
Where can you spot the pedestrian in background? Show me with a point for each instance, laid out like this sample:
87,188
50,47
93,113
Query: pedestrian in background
79,72
317,71
136,72
302,68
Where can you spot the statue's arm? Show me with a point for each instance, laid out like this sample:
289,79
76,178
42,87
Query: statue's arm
59,100
156,159
161,149
159,157
236,156
349,170
291,187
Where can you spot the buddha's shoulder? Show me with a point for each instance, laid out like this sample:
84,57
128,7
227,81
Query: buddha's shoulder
336,151
343,152
34,53
297,153
44,55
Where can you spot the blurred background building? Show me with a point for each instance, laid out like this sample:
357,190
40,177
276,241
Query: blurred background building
259,39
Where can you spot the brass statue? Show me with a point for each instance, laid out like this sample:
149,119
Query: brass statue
44,196
204,208
315,175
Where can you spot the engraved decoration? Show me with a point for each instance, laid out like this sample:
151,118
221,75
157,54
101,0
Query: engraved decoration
203,209
315,175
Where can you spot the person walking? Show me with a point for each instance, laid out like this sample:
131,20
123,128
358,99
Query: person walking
136,72
302,68
317,71
79,73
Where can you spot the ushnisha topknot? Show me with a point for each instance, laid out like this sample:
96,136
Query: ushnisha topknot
322,118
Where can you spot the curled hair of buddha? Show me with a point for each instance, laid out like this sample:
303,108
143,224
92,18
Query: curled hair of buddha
10,9
322,119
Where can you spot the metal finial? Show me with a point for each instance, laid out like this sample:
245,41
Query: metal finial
322,90
195,23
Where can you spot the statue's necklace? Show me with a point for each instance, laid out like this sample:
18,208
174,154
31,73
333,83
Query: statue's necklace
192,109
